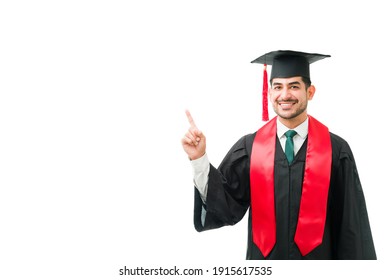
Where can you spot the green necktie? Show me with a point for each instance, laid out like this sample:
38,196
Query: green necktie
289,149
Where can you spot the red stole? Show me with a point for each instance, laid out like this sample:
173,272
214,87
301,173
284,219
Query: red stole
312,212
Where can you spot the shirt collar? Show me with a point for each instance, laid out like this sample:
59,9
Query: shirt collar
302,129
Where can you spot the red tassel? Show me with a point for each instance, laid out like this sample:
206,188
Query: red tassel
265,94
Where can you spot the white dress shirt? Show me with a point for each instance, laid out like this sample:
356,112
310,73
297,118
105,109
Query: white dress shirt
201,166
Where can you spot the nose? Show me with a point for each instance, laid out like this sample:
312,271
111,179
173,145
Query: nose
285,94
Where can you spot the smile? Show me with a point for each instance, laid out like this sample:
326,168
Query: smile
286,104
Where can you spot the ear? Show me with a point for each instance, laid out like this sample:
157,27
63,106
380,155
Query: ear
310,92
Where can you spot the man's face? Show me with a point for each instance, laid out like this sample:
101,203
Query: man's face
289,97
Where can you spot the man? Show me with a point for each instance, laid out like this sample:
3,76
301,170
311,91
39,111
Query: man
299,181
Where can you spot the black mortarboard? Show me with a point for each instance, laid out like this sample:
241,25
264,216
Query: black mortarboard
285,64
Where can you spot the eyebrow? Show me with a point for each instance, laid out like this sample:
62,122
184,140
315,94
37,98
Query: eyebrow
292,83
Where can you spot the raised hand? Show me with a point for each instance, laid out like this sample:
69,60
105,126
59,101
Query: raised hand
194,142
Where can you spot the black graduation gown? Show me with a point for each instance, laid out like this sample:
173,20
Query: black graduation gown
347,233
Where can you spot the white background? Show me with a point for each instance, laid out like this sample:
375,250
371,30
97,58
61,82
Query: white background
92,98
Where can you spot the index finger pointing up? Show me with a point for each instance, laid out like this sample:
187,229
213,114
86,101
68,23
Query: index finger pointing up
190,119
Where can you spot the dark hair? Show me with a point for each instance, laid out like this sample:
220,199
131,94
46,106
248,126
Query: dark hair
305,80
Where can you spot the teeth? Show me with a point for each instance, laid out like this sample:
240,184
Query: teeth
286,105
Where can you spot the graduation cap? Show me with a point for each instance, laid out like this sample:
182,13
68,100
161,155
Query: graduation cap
285,64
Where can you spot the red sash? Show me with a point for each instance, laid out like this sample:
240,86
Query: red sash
312,212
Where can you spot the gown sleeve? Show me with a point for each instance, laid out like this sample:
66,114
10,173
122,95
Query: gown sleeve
228,196
352,231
